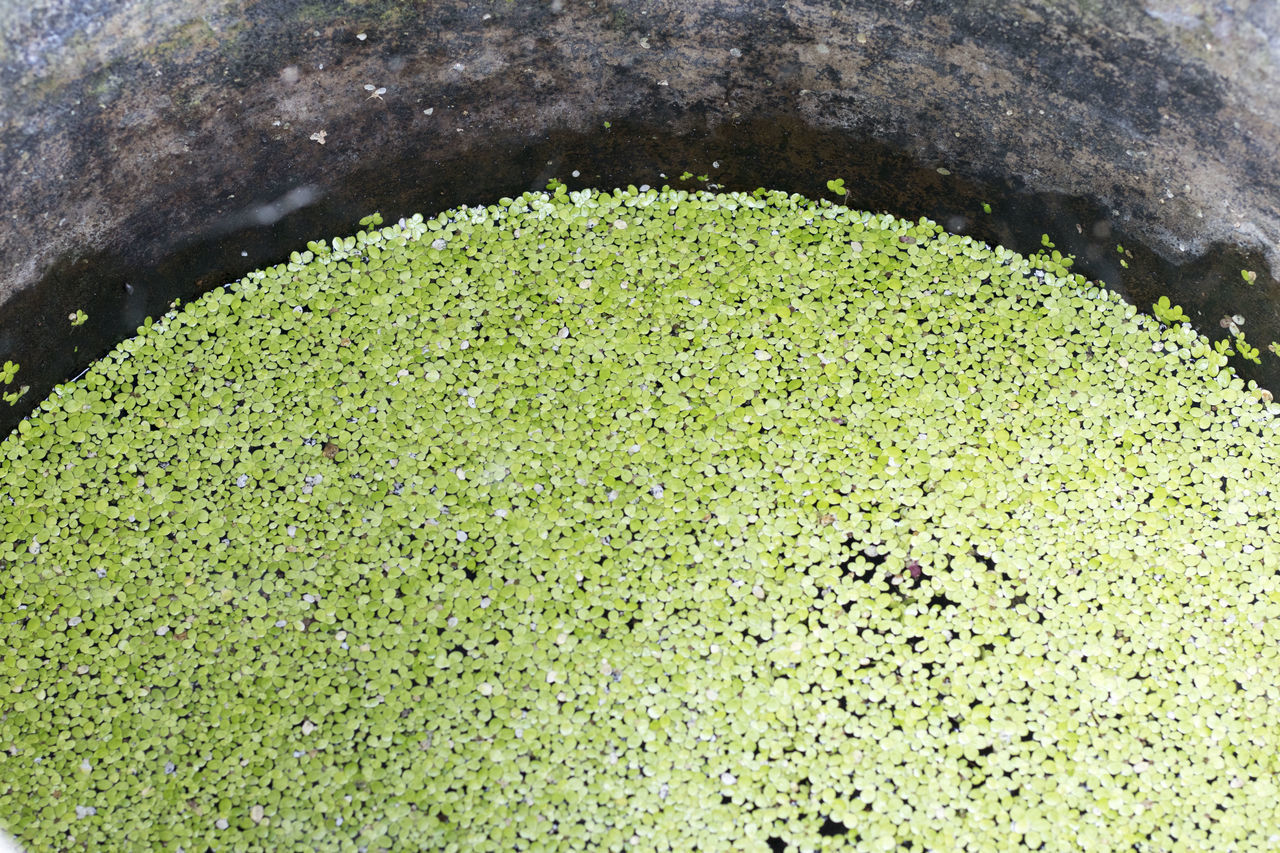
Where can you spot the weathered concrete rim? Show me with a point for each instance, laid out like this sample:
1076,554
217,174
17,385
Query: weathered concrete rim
132,137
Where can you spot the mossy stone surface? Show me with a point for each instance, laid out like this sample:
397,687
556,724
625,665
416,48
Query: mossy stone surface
645,520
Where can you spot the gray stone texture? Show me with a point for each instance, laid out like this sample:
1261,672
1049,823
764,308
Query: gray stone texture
133,132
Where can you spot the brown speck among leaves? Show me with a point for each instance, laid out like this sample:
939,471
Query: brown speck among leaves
330,450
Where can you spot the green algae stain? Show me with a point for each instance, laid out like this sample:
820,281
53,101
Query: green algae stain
644,520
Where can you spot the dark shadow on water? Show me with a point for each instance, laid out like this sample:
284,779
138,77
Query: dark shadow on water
118,292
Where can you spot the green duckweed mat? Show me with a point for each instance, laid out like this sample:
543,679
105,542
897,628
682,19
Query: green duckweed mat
645,520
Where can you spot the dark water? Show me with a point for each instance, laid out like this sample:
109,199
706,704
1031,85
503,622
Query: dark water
118,292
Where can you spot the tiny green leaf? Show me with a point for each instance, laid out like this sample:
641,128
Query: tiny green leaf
1168,314
1247,352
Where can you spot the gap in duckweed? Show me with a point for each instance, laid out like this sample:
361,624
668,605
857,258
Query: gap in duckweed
634,520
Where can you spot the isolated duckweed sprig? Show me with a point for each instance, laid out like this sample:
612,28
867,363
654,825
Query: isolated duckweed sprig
641,520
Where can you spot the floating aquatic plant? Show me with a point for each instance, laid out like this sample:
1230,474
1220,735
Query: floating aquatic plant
1247,352
1168,314
645,520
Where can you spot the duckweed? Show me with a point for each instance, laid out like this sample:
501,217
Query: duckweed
1168,314
645,520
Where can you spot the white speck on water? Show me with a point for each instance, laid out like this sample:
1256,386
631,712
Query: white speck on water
280,623
761,355
74,621
564,331
576,173
362,36
656,490
462,536
34,548
484,602
221,823
102,573
162,630
292,530
242,480
633,449
83,812
452,621
728,778
169,768
309,598
735,52
439,243
85,766
501,512
337,821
